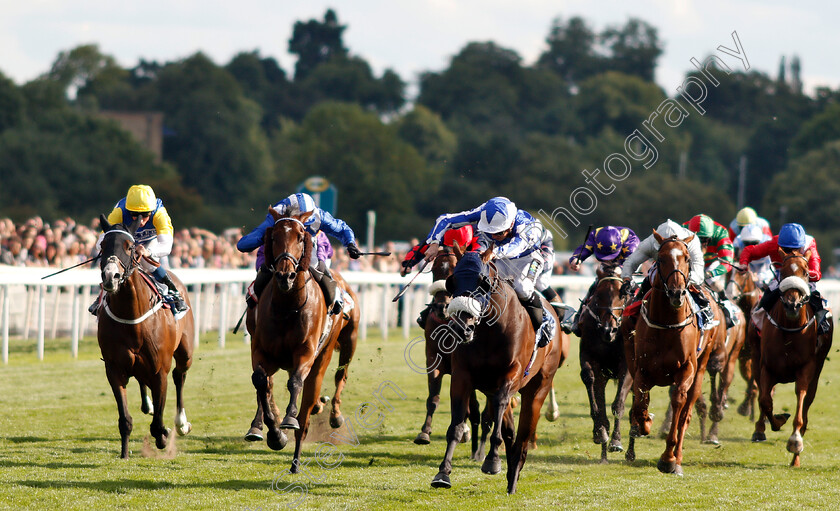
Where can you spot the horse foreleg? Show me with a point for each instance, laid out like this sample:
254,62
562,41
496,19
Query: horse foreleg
670,461
702,409
126,424
595,393
146,405
459,392
622,389
766,385
501,399
435,380
311,389
640,421
486,425
254,434
276,439
475,420
156,428
295,386
668,420
183,361
795,444
532,401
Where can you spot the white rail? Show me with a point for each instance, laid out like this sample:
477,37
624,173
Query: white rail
57,307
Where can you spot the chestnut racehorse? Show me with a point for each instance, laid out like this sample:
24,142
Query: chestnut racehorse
789,349
289,333
439,361
667,348
137,336
743,291
602,356
495,354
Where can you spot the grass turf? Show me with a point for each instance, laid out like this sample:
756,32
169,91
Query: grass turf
59,446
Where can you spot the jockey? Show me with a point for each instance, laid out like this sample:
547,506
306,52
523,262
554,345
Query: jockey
297,204
611,245
791,237
753,235
521,245
649,249
466,240
154,238
717,256
748,216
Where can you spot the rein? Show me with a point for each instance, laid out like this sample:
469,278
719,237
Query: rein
128,271
591,310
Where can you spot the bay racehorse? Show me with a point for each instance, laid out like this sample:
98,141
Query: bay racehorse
138,336
602,356
291,330
496,354
438,360
742,289
667,348
789,349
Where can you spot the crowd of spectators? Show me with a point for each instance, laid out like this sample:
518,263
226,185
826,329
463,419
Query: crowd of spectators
64,243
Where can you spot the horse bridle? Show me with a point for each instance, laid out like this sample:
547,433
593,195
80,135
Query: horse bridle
802,301
133,262
597,319
667,289
287,255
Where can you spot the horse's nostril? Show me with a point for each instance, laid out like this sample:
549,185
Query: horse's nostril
292,276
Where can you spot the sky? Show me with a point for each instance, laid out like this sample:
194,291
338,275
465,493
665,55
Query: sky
413,36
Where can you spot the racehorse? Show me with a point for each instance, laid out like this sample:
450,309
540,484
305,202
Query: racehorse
789,349
742,290
602,356
667,348
139,337
496,354
438,361
292,331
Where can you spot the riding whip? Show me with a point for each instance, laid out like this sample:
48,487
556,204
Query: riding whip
71,267
403,290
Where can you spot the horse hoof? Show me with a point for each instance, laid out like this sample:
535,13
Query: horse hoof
441,481
335,422
466,436
184,429
290,422
551,417
668,467
276,440
744,409
147,407
422,439
678,471
254,435
600,436
160,441
712,440
317,408
616,447
492,466
795,444
635,433
759,437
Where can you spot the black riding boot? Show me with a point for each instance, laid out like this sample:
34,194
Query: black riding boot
769,299
535,312
178,303
328,286
260,281
568,325
424,315
94,307
822,315
702,303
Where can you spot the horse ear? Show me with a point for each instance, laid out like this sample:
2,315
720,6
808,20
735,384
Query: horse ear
305,216
456,248
487,255
132,228
658,237
450,284
688,240
599,273
782,253
103,223
274,214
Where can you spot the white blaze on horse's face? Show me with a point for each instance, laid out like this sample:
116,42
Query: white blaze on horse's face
111,274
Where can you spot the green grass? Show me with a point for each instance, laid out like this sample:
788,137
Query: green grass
59,447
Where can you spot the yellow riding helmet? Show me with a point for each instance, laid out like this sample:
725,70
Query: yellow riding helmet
140,199
746,216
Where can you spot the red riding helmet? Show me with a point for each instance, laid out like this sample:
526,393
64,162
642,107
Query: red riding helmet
463,236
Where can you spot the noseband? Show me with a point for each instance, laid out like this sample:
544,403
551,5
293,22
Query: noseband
667,289
128,268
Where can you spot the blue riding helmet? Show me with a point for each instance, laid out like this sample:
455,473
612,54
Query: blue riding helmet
792,236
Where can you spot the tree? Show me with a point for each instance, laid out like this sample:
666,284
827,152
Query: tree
371,167
76,68
617,100
12,104
571,51
816,131
428,134
316,42
350,80
264,81
634,48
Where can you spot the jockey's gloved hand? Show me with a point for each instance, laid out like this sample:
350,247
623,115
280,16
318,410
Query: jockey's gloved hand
353,251
625,288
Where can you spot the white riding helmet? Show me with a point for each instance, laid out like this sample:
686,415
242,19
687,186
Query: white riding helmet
497,215
752,234
671,228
